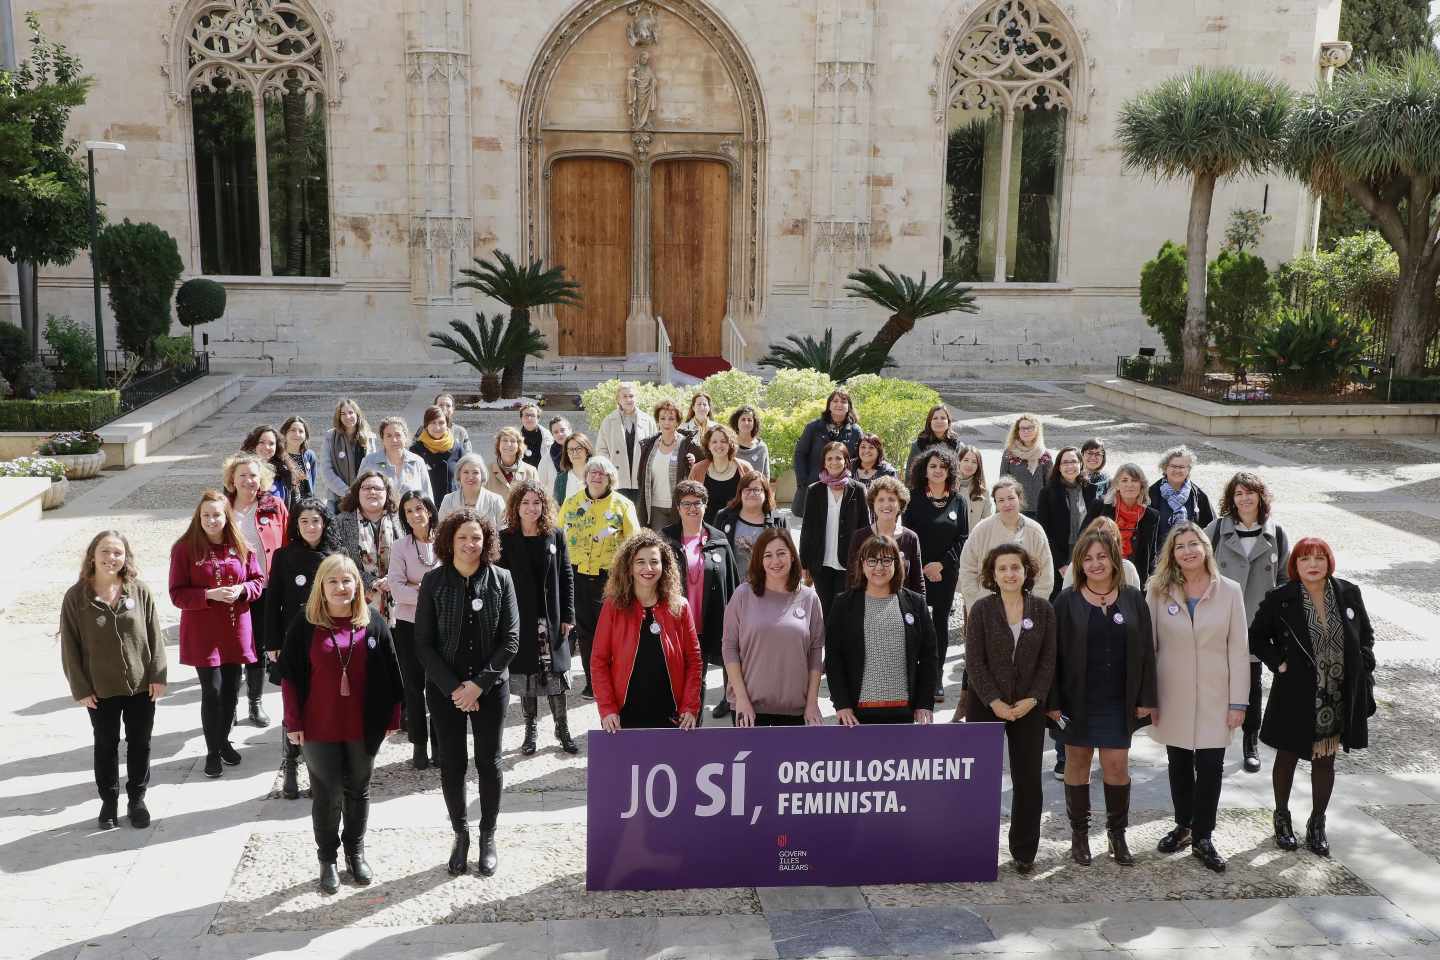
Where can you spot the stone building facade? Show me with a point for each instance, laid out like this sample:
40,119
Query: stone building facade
721,163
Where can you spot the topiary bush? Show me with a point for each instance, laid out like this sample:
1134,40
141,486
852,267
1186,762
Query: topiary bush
68,410
14,351
141,264
199,300
1240,299
74,346
1163,289
731,389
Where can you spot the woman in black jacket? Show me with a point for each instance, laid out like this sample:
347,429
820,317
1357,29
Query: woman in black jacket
1175,496
1065,501
709,589
467,630
837,424
312,537
441,450
940,517
750,514
1314,633
1127,502
825,539
533,549
874,619
342,692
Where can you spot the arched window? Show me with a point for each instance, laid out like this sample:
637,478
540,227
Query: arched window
256,77
1009,93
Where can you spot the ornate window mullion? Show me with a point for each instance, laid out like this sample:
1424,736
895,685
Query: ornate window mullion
262,184
1002,212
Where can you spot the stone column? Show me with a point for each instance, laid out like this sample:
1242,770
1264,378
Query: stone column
437,79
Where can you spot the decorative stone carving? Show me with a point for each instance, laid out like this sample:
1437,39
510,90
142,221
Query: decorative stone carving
643,30
1011,57
1335,54
272,46
644,93
642,140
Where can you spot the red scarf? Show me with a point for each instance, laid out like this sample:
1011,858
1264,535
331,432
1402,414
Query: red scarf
1128,519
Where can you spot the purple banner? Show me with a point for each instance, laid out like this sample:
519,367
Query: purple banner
837,806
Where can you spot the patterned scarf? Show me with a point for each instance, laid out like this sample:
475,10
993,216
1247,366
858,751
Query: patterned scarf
834,482
1177,500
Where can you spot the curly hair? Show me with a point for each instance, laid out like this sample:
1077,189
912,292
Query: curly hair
724,431
128,572
1252,482
920,481
668,404
887,485
987,566
518,490
691,488
329,535
445,537
741,411
351,501
1134,472
236,461
514,434
620,588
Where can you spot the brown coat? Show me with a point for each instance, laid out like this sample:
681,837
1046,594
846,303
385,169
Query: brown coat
998,666
496,481
697,472
1202,666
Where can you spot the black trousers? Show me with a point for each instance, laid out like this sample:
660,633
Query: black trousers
219,690
772,720
1195,787
137,713
339,783
589,598
1251,726
940,598
1026,739
413,675
829,584
255,672
868,715
486,725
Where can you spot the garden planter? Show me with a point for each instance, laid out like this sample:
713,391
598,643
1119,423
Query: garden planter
55,496
81,466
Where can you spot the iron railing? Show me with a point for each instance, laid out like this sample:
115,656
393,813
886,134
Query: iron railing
734,346
143,384
1255,388
662,347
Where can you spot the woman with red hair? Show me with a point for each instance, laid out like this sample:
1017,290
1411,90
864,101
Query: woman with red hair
1314,634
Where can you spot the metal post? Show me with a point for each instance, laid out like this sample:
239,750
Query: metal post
100,381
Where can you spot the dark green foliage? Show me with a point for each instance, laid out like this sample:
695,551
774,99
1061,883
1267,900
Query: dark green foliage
177,353
520,289
907,300
1382,30
491,346
74,346
1163,290
1409,389
1240,297
1245,229
71,410
1315,349
140,263
198,301
840,363
34,381
14,351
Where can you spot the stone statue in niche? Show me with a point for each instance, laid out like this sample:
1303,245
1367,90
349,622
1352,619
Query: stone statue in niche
642,30
643,93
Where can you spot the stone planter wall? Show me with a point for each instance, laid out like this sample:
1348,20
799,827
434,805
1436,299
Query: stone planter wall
80,466
55,496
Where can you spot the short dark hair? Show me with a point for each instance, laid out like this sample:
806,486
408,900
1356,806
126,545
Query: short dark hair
445,537
1094,443
1250,481
987,566
919,482
329,535
425,502
691,488
875,442
351,501
878,545
755,572
740,411
887,485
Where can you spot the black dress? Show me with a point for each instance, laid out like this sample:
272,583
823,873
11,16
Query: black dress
721,492
1105,654
527,678
649,700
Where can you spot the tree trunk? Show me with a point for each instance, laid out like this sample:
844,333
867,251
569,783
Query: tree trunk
1410,315
1194,338
512,381
896,327
489,387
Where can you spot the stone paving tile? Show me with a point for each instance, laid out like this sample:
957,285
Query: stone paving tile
1418,825
1408,521
1354,452
1348,920
1273,923
1156,925
1403,730
933,930
827,933
693,938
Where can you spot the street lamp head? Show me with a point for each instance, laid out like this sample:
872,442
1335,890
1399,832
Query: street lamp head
104,145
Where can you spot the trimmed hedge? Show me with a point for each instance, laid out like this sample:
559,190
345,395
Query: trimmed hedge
1410,389
67,410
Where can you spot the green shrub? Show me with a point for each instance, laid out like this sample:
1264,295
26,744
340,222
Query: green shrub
895,415
34,381
1357,275
141,264
70,410
14,351
599,401
795,388
781,431
1240,298
731,389
199,300
74,346
1410,389
1314,349
175,352
1163,287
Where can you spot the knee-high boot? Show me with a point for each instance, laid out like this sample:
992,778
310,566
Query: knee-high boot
1117,818
530,708
559,712
1077,808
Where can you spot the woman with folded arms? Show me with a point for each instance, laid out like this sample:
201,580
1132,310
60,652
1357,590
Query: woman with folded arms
745,422
835,508
342,693
750,514
887,498
368,527
1127,502
347,443
437,446
774,640
411,557
404,469
1104,689
1202,652
938,515
647,657
1009,664
509,466
880,644
470,492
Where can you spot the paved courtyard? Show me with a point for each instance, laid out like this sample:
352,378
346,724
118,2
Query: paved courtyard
228,868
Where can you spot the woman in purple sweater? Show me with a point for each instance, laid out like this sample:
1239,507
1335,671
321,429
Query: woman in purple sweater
773,644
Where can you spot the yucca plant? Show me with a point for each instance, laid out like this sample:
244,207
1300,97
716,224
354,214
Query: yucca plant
907,301
490,346
520,289
841,363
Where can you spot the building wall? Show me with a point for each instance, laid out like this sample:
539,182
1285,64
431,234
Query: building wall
872,163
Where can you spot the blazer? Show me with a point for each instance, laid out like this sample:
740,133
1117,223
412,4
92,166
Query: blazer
610,443
617,639
854,514
1143,545
557,589
1198,509
1260,572
909,545
1201,665
384,690
1070,686
998,666
722,578
1053,512
496,482
1281,635
845,649
810,447
685,447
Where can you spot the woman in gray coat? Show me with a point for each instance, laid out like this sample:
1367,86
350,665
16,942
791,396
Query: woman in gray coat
1252,550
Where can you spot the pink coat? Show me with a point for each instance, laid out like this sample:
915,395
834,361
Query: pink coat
1202,666
213,633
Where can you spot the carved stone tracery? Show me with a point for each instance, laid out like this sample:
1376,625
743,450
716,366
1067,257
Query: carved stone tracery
271,47
1013,57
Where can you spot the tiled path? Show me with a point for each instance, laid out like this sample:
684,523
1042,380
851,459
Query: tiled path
227,869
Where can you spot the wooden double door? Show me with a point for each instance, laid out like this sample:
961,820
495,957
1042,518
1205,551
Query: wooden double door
685,257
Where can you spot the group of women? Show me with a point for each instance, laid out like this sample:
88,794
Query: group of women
659,551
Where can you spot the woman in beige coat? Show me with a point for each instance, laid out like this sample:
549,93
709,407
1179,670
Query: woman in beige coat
509,466
1202,665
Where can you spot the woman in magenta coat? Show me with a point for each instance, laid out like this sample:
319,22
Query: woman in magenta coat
214,578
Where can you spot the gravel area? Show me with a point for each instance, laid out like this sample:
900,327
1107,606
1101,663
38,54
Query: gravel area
1402,731
1256,869
1407,521
1419,826
1350,451
541,877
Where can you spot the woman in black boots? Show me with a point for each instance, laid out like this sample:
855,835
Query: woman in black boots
342,691
533,549
467,630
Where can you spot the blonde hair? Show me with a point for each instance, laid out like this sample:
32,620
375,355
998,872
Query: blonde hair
1013,435
238,460
514,434
317,612
1167,572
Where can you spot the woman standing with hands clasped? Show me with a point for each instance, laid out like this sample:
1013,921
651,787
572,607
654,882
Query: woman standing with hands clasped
1104,689
113,652
1009,663
1314,633
411,557
264,520
1203,679
342,691
368,528
939,517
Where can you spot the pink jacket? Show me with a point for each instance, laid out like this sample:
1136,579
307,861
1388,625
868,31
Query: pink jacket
213,633
407,568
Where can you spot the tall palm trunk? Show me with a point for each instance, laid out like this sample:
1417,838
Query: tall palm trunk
512,378
896,327
1194,338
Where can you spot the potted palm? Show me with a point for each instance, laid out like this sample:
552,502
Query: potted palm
40,467
79,451
490,347
520,289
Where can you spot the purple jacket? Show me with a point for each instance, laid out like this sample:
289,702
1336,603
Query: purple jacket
213,633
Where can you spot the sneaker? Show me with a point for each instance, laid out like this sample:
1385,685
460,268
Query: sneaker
230,755
587,693
212,766
1059,770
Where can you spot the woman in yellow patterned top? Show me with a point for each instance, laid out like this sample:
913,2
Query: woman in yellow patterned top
597,520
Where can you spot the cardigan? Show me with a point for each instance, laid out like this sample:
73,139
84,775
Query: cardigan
1000,667
1072,624
616,642
721,579
439,619
556,590
854,514
679,467
845,649
909,545
407,568
111,653
384,690
992,532
214,633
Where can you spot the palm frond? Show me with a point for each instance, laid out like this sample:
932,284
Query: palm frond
481,346
910,299
798,352
521,287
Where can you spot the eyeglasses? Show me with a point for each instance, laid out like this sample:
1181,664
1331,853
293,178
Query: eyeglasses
876,563
757,491
372,489
691,505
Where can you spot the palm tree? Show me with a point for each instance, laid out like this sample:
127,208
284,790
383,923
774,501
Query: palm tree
907,301
490,347
840,363
1204,125
520,289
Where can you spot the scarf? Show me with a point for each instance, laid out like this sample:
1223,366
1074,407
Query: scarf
1128,519
835,483
346,452
1031,454
444,445
1177,500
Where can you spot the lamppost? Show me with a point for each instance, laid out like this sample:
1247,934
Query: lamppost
90,147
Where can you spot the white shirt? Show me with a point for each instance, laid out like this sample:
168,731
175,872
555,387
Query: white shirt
658,480
832,530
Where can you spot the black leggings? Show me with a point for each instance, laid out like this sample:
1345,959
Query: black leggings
1322,780
219,690
1251,726
1195,787
413,676
589,598
486,724
339,782
1026,741
137,712
940,598
829,584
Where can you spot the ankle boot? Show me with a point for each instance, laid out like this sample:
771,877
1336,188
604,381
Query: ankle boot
258,716
488,860
562,724
290,787
1251,746
1284,831
1117,818
355,862
1315,838
1077,808
419,759
529,707
109,817
329,877
460,851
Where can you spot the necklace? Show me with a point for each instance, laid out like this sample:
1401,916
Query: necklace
1101,600
344,659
